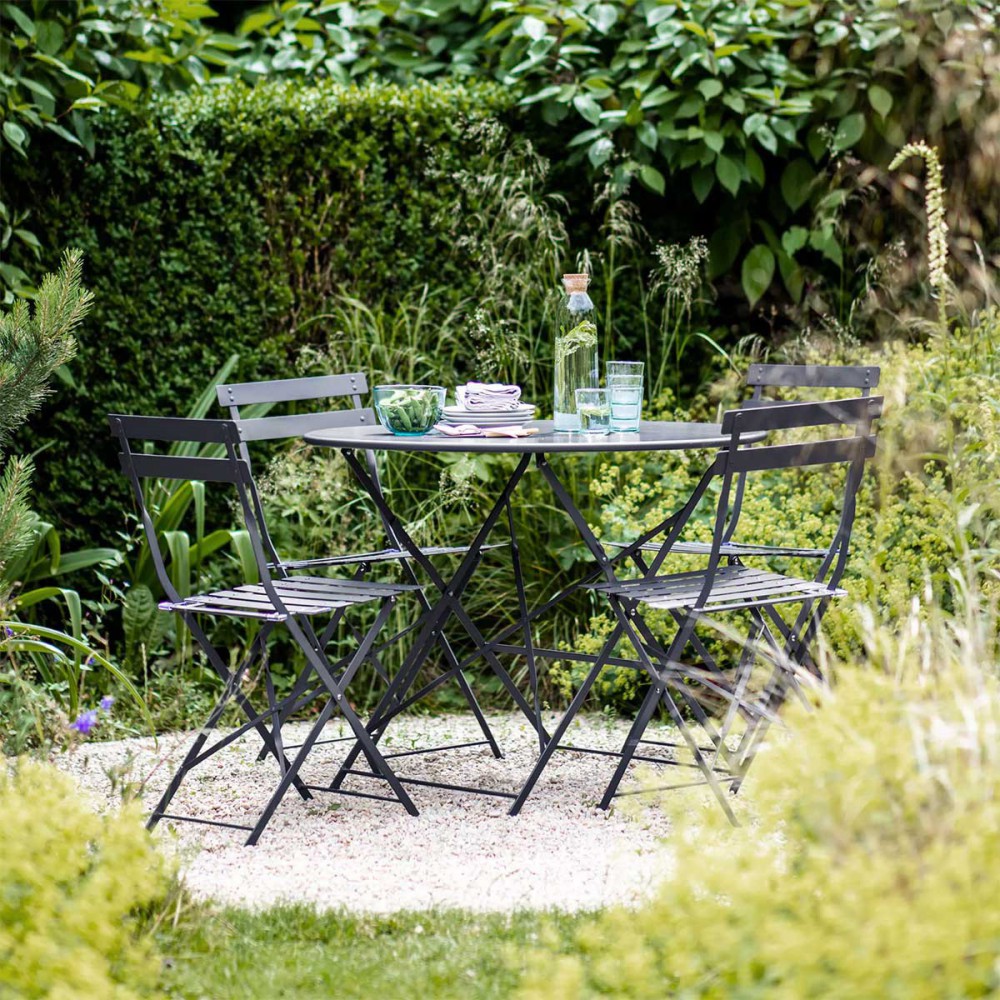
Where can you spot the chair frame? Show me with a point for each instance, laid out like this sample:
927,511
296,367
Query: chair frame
352,385
863,378
264,603
787,645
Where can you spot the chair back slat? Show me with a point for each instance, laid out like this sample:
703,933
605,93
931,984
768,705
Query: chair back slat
864,377
187,435
293,389
208,470
786,456
172,429
787,416
298,424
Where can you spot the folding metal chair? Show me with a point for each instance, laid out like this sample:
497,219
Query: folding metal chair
352,386
278,598
864,378
691,597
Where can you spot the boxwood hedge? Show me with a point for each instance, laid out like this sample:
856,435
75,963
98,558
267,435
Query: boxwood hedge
222,221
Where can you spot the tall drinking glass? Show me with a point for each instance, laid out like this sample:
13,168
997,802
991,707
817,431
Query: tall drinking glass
624,380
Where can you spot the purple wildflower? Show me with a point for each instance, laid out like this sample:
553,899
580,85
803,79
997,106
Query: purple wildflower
106,702
89,662
85,722
10,631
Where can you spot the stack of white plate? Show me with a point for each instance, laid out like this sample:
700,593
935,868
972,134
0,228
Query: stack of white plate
488,418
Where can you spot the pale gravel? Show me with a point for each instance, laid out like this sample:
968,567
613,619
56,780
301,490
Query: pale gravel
369,856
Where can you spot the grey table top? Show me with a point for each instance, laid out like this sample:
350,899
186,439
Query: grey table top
660,435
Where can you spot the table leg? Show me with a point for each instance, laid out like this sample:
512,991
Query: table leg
434,619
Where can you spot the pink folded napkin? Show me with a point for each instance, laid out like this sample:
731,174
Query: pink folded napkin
491,397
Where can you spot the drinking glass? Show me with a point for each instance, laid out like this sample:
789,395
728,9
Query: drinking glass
613,369
625,392
594,409
625,383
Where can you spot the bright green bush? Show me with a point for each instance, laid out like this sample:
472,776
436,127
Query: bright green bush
71,883
929,499
229,221
870,859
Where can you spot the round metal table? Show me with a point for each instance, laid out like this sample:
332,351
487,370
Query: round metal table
363,437
652,436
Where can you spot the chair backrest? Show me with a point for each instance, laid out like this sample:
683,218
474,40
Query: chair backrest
352,385
851,450
861,377
228,468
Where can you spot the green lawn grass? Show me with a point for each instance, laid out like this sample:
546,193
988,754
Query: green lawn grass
293,951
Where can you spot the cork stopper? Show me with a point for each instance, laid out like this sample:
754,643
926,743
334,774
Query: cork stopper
575,282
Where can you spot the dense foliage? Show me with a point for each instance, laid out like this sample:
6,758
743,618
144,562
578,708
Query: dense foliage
72,883
230,221
754,111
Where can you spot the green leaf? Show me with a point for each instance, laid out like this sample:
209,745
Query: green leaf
791,275
652,178
535,28
600,152
255,21
21,19
714,141
757,272
647,135
702,182
728,172
755,166
849,132
794,239
796,183
825,240
710,88
880,99
603,17
16,135
50,36
588,108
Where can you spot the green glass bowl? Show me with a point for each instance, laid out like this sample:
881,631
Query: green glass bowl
408,410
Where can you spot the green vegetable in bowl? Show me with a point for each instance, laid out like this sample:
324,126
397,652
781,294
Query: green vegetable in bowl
410,410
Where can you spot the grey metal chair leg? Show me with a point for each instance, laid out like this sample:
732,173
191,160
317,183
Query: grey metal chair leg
552,744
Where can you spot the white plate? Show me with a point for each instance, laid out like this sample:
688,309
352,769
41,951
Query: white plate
489,419
460,411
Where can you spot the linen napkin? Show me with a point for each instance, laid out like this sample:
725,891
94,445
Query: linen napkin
471,430
491,397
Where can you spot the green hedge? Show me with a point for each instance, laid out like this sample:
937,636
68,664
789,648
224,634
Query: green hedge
225,221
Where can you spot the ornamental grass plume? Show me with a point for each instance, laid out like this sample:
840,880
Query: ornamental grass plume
937,228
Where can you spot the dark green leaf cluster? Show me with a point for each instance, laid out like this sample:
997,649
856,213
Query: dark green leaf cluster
229,220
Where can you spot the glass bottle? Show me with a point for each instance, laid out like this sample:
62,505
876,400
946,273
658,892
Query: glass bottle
575,351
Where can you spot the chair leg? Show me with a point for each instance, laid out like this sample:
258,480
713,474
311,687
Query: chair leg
631,743
364,744
212,654
677,646
574,707
228,692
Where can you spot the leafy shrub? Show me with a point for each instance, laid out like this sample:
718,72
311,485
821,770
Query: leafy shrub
928,501
228,221
870,864
751,109
71,883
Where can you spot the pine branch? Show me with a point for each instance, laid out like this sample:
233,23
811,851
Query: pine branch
32,346
16,517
